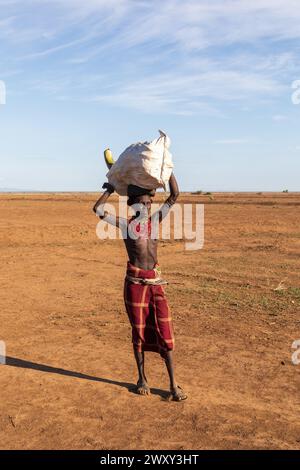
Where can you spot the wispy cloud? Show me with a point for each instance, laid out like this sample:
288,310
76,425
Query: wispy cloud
232,141
171,56
279,117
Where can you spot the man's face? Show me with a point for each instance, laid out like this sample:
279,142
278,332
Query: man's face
145,202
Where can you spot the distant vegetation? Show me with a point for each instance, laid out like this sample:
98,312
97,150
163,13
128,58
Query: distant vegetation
201,192
207,193
285,191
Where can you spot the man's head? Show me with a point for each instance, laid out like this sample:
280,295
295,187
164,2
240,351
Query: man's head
141,197
140,203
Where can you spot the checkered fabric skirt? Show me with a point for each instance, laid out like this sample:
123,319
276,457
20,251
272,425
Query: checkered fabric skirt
148,313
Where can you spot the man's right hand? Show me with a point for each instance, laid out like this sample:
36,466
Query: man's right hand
108,187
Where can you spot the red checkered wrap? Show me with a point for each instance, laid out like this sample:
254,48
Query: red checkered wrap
148,312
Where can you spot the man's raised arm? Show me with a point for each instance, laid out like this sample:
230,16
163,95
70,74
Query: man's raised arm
106,216
170,201
174,190
99,206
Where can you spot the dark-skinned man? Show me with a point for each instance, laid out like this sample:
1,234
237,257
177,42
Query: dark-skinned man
144,294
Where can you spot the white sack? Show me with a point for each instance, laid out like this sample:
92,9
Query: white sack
145,164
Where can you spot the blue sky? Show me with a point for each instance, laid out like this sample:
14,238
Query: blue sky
216,75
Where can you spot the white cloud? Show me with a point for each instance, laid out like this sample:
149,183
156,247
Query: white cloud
192,24
279,117
182,57
186,92
232,141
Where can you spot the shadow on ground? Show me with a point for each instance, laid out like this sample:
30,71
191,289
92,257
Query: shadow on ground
15,362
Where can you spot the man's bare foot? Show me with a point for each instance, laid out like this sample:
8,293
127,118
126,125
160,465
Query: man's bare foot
177,394
142,388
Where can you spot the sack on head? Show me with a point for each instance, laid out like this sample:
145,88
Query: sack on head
147,165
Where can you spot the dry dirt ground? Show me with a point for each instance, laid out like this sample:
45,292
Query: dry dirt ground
68,379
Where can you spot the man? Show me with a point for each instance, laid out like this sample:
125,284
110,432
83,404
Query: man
144,295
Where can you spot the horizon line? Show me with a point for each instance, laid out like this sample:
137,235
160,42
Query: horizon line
195,192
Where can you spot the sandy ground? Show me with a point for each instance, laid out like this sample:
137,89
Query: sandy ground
70,371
